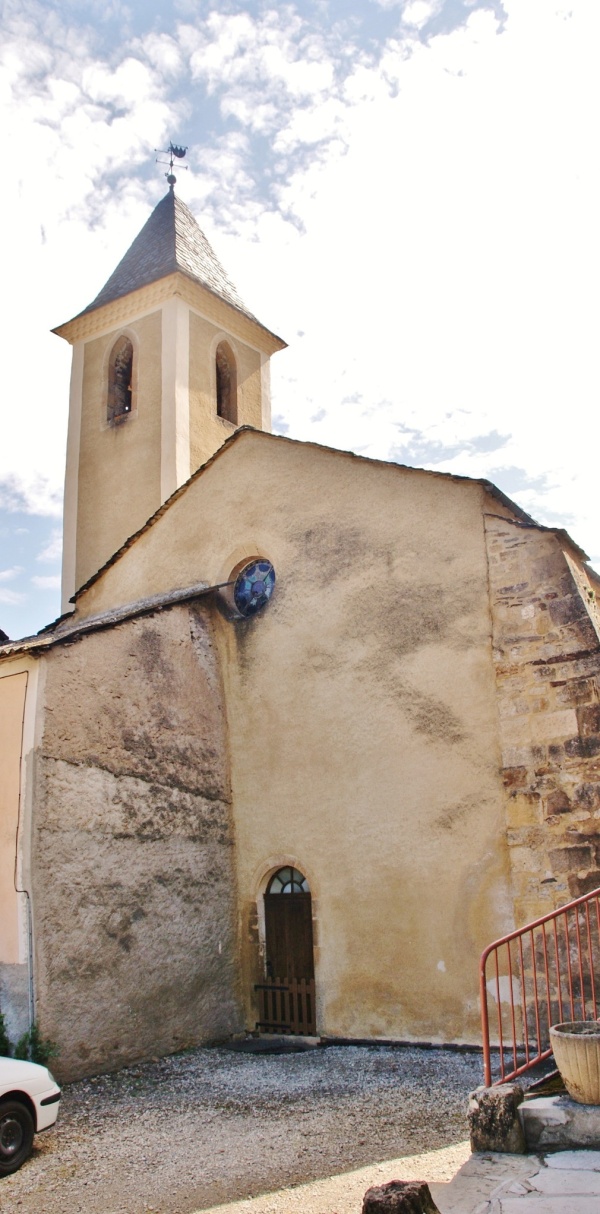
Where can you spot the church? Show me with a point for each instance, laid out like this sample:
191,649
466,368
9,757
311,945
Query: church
312,729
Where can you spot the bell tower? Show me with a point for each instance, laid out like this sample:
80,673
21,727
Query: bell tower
167,363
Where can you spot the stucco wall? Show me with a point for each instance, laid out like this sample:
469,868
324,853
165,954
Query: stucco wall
18,688
132,847
547,659
13,689
207,430
119,464
362,719
121,478
363,740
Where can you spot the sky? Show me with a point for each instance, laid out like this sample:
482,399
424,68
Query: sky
407,191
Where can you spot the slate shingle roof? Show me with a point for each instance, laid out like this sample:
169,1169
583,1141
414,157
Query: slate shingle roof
170,240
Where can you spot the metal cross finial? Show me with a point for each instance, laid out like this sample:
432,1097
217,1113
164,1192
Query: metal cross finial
174,151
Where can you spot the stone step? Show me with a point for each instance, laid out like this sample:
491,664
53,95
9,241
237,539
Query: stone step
559,1123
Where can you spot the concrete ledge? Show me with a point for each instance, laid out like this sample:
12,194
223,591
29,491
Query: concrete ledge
272,1043
557,1123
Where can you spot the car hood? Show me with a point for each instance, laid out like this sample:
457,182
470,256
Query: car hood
14,1070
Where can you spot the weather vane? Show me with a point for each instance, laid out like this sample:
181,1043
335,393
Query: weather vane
174,152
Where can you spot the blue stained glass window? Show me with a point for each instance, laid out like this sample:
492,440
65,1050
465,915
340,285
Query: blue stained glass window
254,586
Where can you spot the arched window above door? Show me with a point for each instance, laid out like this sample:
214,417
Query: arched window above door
226,373
120,375
288,881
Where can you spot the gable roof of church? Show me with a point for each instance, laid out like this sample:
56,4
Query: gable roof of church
523,519
66,626
170,241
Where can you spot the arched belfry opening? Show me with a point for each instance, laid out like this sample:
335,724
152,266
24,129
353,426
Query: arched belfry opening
120,376
226,375
287,996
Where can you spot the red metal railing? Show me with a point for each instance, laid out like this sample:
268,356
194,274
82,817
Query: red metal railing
545,973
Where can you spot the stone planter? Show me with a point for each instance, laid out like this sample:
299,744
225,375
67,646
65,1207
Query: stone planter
576,1048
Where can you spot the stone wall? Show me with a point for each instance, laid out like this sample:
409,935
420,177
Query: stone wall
134,906
547,661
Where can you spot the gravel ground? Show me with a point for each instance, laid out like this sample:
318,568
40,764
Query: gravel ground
212,1126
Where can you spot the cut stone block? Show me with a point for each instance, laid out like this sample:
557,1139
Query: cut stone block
558,1123
399,1197
494,1121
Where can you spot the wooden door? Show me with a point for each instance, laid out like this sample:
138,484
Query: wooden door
289,938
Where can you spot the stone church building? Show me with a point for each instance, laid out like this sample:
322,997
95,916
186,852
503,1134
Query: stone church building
309,721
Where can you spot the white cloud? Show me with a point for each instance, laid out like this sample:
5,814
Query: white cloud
419,12
52,551
445,277
163,53
75,121
28,491
263,70
7,575
11,598
51,582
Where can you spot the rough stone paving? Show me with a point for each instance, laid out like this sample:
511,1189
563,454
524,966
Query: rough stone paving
212,1125
567,1182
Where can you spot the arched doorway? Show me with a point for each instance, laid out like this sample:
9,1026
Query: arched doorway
288,926
287,996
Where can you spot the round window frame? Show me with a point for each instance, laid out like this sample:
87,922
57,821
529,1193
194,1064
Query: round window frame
238,574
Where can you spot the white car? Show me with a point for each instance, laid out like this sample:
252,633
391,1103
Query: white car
29,1099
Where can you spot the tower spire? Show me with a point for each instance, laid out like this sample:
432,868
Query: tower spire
167,362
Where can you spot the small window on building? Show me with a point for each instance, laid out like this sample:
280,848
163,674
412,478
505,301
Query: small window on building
120,373
253,587
288,881
226,383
